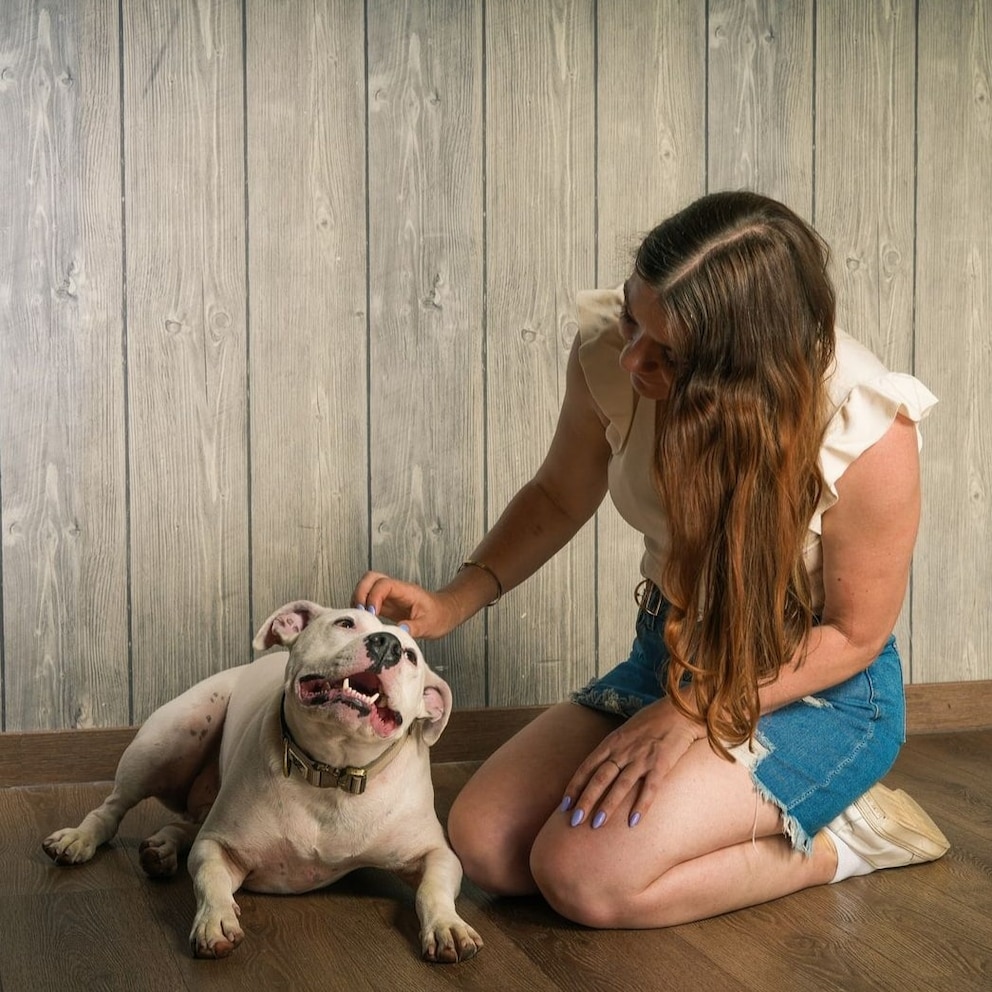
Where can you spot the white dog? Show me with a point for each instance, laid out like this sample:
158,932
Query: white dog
292,772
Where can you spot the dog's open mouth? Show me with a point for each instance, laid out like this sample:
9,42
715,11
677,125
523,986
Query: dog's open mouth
361,691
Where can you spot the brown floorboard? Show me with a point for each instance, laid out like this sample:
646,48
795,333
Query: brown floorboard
104,926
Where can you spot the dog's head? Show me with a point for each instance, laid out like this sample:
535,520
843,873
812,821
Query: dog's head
368,676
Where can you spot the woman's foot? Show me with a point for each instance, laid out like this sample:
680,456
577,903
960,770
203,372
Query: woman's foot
885,828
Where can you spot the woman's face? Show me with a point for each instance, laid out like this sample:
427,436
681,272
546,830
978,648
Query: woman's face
647,354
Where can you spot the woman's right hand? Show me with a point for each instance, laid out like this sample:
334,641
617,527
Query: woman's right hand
426,614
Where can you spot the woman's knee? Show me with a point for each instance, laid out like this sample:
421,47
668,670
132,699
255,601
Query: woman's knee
503,807
492,851
567,878
464,833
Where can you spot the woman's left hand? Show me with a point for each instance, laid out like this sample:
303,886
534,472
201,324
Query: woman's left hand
634,758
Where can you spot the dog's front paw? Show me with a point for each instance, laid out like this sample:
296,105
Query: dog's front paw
215,933
70,846
449,941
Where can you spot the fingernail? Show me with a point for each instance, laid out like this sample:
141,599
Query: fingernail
566,804
598,820
371,609
634,819
403,626
577,817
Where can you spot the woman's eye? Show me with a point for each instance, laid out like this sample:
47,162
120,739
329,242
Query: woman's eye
626,323
344,622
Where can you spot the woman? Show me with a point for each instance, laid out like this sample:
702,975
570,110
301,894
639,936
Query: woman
771,464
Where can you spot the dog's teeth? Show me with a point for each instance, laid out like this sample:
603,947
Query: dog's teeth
345,685
372,699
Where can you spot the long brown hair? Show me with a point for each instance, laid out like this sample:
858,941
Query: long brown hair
745,294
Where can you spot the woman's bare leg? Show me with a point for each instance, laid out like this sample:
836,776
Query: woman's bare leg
709,844
498,814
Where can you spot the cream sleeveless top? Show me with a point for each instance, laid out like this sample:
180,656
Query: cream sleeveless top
864,399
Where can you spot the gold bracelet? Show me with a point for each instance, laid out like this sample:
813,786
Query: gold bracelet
485,568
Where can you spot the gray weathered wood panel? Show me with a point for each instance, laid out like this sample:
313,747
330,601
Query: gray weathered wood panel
427,382
952,619
326,327
307,246
62,423
760,99
540,192
185,204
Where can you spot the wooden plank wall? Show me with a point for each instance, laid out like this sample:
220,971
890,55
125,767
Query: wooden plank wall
287,290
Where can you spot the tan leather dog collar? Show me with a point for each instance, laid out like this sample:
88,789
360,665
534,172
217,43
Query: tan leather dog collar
349,778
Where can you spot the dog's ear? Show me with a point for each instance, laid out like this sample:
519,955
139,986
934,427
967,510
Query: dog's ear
286,624
435,708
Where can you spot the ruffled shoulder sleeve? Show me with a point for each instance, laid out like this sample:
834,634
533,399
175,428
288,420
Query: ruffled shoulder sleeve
600,345
865,398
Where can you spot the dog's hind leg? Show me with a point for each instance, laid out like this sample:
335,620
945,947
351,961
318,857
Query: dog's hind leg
166,759
76,845
160,853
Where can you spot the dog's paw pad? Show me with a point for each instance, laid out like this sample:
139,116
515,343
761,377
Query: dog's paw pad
159,858
469,945
215,935
450,943
69,846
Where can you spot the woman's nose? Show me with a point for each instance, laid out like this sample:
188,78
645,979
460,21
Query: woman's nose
638,355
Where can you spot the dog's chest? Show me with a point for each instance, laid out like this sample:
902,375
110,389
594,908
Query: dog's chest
290,865
296,846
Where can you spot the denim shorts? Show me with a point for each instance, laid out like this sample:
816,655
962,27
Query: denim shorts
812,758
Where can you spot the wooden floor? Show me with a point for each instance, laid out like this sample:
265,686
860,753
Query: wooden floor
105,926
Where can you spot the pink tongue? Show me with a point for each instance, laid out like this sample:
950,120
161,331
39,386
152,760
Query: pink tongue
384,721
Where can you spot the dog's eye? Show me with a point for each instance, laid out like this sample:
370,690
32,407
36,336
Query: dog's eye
410,655
344,622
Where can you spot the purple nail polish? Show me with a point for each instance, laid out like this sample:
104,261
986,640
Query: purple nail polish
371,609
566,804
403,626
598,820
634,819
577,817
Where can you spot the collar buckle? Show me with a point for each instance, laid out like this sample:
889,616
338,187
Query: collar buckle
352,780
349,779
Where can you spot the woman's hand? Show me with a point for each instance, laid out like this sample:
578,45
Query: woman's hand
631,761
425,614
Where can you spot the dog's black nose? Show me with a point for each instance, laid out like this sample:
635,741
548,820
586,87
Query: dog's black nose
383,649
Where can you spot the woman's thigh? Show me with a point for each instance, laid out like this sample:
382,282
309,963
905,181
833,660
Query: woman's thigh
620,873
502,808
704,804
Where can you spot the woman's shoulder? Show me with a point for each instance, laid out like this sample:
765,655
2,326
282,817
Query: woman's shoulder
598,312
864,398
853,364
600,344
860,379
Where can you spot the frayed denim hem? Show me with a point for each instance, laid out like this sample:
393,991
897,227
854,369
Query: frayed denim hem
607,700
750,755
